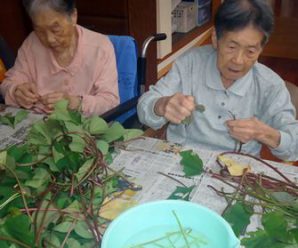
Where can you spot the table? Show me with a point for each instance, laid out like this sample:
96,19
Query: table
153,165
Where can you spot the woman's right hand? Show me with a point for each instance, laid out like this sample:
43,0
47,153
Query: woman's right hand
26,95
175,108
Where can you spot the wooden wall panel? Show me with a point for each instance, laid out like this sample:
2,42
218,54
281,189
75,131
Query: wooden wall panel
105,25
284,41
14,23
142,23
103,8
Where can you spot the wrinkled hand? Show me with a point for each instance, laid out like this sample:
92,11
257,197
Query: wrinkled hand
175,108
26,95
50,99
246,130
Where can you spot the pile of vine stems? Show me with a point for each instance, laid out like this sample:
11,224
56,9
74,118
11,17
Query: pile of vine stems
63,210
256,189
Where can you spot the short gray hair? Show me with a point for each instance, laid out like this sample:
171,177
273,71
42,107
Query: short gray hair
233,15
66,7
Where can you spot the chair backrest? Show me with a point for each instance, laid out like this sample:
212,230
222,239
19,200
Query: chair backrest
6,54
293,89
7,59
126,57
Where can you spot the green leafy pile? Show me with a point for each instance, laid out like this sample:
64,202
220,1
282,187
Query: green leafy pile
275,199
53,185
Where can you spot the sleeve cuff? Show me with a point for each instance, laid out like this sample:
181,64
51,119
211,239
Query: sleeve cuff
285,140
158,120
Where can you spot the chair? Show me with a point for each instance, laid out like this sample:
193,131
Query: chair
131,78
6,54
293,89
126,58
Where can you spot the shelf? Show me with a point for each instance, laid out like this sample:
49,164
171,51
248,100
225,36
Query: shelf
179,40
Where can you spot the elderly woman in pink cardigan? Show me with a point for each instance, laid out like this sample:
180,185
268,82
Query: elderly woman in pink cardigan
62,60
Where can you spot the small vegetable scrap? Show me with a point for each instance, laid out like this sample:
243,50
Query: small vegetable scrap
182,238
200,108
191,162
235,168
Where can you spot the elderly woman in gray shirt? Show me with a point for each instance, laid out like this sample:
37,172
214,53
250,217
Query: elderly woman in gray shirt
245,102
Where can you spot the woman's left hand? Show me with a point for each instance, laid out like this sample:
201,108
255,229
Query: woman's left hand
246,130
50,99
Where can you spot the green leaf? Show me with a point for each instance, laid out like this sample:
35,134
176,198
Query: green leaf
44,150
77,144
18,227
73,127
111,186
238,216
39,134
63,200
51,163
20,115
132,133
45,218
181,193
115,132
108,158
258,239
41,178
3,155
192,163
276,225
71,162
7,119
103,146
21,154
294,233
83,231
63,227
74,207
73,243
97,198
84,169
62,113
96,125
9,198
187,120
58,151
10,163
284,197
52,240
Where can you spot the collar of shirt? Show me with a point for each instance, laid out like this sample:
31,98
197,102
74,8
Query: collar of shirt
213,79
74,66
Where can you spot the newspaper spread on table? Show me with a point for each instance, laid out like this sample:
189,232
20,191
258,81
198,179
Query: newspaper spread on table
10,136
155,164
